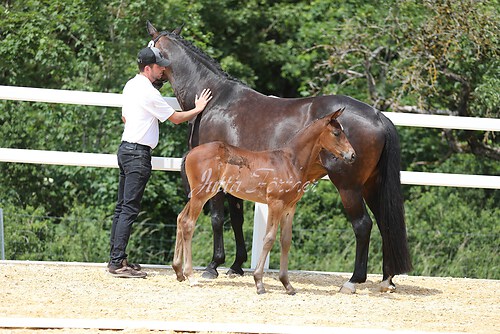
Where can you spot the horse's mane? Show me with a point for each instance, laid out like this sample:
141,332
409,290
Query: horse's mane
215,64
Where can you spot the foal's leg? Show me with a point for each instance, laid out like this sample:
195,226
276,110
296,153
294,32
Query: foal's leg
273,219
236,214
187,225
286,240
178,253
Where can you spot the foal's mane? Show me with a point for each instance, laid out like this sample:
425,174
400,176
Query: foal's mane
212,62
300,131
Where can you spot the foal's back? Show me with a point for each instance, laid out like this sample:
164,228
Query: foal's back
245,174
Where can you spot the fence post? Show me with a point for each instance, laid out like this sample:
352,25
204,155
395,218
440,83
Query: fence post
2,248
259,231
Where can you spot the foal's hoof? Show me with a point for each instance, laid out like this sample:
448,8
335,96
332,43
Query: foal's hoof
348,288
261,291
291,292
234,273
180,276
210,274
193,282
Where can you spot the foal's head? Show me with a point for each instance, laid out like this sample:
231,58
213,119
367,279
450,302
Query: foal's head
334,140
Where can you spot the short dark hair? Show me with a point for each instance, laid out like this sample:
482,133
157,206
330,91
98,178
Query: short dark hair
143,66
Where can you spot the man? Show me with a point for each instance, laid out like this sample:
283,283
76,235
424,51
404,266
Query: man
143,108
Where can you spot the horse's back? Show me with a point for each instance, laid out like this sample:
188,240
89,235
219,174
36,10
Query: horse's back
257,122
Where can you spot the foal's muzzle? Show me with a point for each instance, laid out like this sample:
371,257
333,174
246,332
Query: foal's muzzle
349,157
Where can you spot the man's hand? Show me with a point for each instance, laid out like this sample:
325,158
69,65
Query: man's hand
200,104
202,101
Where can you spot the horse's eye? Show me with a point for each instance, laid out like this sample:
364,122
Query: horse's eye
336,133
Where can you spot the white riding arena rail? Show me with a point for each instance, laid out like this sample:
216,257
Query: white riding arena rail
173,164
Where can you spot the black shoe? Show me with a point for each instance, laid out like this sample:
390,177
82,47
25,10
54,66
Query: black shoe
127,272
135,266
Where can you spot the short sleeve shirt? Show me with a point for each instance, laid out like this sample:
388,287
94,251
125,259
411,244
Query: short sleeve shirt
143,107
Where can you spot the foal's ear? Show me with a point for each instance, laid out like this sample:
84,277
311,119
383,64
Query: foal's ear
177,31
151,30
336,114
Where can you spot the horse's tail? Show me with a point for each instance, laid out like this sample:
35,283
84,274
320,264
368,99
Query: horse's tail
391,220
184,179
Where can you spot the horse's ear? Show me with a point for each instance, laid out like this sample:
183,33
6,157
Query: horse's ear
177,31
151,30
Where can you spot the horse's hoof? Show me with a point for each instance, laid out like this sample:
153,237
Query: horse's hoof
234,273
387,286
348,288
291,292
261,291
210,274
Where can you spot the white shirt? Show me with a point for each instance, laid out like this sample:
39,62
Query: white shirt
143,107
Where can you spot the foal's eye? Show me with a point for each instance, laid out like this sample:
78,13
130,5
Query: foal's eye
336,133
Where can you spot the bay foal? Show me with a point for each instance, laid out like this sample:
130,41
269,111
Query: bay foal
277,178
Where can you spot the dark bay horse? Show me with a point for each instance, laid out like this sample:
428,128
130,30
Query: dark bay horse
243,117
277,178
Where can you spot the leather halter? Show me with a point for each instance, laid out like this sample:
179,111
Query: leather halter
160,35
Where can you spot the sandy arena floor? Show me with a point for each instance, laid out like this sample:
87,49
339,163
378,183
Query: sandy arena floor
65,291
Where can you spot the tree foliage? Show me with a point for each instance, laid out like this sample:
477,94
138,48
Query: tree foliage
439,57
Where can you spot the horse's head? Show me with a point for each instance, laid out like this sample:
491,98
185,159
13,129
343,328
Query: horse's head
182,67
191,70
155,37
183,54
334,140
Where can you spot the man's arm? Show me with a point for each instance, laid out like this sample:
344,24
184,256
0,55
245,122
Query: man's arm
183,116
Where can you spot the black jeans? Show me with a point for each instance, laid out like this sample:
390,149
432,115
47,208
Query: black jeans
134,161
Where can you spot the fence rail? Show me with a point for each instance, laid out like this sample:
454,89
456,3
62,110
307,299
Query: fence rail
31,94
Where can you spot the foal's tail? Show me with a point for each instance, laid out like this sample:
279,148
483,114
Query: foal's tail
391,220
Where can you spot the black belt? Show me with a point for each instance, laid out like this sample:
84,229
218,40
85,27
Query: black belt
135,146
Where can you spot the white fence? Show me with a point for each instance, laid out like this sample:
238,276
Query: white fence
173,164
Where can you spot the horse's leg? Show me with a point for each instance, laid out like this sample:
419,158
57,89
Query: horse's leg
219,256
370,194
362,225
236,214
285,241
273,219
178,253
